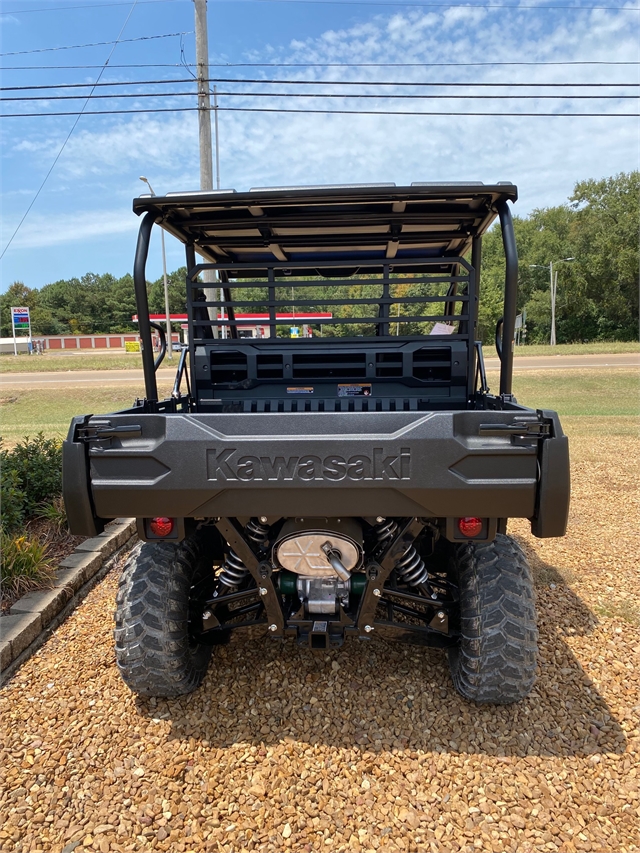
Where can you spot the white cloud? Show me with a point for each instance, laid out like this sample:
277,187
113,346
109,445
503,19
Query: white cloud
126,145
91,225
466,15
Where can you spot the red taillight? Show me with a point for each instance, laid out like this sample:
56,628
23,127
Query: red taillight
470,526
162,526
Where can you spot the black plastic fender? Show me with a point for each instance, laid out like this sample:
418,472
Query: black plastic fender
76,489
554,488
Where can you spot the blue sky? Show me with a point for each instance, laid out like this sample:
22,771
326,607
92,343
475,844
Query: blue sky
82,219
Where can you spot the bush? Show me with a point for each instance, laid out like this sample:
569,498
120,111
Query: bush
12,499
31,476
24,565
55,513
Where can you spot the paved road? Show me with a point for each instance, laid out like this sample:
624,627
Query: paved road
134,377
554,362
106,378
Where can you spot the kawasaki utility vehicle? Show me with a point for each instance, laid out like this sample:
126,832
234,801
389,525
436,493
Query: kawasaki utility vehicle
331,462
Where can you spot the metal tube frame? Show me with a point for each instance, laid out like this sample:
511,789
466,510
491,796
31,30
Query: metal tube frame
142,305
381,321
510,300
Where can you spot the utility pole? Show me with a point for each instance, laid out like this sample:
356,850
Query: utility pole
204,101
554,285
204,130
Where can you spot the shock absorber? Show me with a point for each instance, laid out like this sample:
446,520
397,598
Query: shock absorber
410,566
258,532
385,530
234,570
233,573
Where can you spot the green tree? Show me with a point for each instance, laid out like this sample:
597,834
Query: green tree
607,213
177,288
597,297
93,304
18,295
122,304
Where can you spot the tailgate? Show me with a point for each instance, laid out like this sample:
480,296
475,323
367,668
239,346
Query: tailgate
435,464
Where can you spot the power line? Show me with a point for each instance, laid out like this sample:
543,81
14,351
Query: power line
513,7
402,83
84,6
366,3
94,44
421,84
85,67
75,124
320,64
405,64
391,97
501,114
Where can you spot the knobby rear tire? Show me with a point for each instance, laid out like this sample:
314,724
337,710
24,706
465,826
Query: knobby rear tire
495,661
155,653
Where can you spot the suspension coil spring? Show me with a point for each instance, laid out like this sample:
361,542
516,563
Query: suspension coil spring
257,532
411,568
385,531
233,571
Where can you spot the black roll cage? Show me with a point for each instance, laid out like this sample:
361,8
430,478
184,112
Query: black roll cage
499,206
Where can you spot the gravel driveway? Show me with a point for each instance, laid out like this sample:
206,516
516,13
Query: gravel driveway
368,748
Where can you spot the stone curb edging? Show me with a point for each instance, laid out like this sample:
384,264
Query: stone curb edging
34,617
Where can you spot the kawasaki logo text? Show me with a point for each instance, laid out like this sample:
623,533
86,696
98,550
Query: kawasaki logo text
226,465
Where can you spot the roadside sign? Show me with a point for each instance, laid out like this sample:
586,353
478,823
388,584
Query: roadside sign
20,317
521,327
20,321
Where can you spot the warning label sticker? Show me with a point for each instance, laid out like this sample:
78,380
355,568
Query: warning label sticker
358,390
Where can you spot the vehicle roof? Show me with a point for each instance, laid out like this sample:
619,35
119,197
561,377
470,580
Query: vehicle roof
330,223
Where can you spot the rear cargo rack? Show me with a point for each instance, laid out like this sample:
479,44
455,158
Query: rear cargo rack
395,300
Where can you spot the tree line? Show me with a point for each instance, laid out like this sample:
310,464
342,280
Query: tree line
597,297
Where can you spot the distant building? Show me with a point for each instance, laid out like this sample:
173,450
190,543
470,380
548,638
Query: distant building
256,325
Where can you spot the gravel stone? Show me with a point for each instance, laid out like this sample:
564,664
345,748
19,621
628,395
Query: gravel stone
280,750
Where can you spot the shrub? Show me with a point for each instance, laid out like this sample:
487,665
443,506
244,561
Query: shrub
12,499
31,475
55,513
24,565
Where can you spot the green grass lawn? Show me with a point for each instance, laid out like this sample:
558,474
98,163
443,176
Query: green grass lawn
612,392
568,349
23,363
49,410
